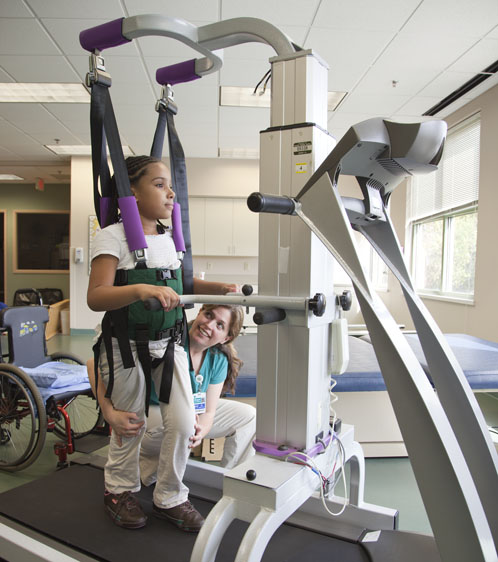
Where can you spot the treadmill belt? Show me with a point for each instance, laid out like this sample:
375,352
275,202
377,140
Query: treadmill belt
68,506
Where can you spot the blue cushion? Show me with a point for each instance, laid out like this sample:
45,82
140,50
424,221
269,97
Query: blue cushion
56,374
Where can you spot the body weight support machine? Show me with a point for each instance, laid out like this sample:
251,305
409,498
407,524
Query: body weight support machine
304,79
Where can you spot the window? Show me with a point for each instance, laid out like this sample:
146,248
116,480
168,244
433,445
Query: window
442,218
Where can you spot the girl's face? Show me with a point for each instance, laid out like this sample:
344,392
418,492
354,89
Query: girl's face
153,192
210,327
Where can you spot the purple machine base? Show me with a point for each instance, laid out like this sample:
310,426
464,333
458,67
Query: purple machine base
132,224
275,450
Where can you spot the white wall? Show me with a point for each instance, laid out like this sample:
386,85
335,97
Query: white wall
206,177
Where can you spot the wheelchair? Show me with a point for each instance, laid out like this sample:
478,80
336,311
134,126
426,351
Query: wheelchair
28,412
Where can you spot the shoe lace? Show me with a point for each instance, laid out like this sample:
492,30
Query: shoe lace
127,500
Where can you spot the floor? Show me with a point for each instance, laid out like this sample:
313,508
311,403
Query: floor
389,482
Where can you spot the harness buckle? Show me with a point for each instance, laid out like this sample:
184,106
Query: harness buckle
166,101
97,73
140,258
163,274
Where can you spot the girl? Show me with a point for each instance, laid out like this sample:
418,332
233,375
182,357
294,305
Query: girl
132,336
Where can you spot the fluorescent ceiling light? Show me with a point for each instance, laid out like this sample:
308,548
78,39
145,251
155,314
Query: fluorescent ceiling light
245,97
334,99
79,149
248,153
14,92
10,177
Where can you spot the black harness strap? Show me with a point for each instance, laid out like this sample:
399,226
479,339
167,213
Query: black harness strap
142,343
179,176
99,153
157,144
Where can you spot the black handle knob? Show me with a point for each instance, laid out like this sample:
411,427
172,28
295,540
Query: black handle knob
247,290
317,304
251,474
269,315
260,203
346,300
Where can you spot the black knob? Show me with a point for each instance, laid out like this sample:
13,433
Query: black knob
247,290
317,304
251,474
269,315
346,300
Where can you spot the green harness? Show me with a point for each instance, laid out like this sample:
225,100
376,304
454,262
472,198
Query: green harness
136,323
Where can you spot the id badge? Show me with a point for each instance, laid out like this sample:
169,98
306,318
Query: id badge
200,402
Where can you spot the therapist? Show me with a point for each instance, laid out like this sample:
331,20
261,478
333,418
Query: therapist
214,366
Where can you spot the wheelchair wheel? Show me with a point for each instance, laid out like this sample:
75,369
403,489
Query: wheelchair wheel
83,413
23,419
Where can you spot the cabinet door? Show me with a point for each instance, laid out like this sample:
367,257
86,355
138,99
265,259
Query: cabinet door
245,229
197,212
219,220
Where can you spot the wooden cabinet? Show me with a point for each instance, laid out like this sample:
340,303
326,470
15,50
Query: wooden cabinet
223,227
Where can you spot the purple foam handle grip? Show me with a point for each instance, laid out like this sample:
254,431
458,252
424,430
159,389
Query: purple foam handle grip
176,221
132,224
103,36
177,73
105,203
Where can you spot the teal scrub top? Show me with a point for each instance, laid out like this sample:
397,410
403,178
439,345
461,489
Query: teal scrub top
214,370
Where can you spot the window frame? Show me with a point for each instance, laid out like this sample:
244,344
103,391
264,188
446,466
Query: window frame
447,217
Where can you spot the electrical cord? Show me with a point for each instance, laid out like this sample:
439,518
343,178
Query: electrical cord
266,77
298,457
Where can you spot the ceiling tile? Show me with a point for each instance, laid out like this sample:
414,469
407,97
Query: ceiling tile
278,12
110,9
243,73
444,18
34,68
373,104
424,52
478,57
198,10
365,15
362,49
15,9
446,83
417,105
4,77
13,34
66,33
379,79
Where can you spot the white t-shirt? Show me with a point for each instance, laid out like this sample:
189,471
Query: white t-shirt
161,252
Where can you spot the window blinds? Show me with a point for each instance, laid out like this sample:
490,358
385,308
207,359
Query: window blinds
456,181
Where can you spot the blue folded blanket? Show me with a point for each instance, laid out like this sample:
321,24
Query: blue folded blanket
56,374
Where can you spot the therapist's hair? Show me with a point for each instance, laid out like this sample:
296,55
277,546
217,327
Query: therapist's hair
227,348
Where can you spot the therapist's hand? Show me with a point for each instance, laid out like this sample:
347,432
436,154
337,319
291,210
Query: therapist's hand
202,426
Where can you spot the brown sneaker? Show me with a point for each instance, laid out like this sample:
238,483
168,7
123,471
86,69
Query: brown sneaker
125,510
184,516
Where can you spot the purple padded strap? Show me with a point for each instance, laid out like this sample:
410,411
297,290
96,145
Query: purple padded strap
103,36
131,221
105,203
177,73
176,221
